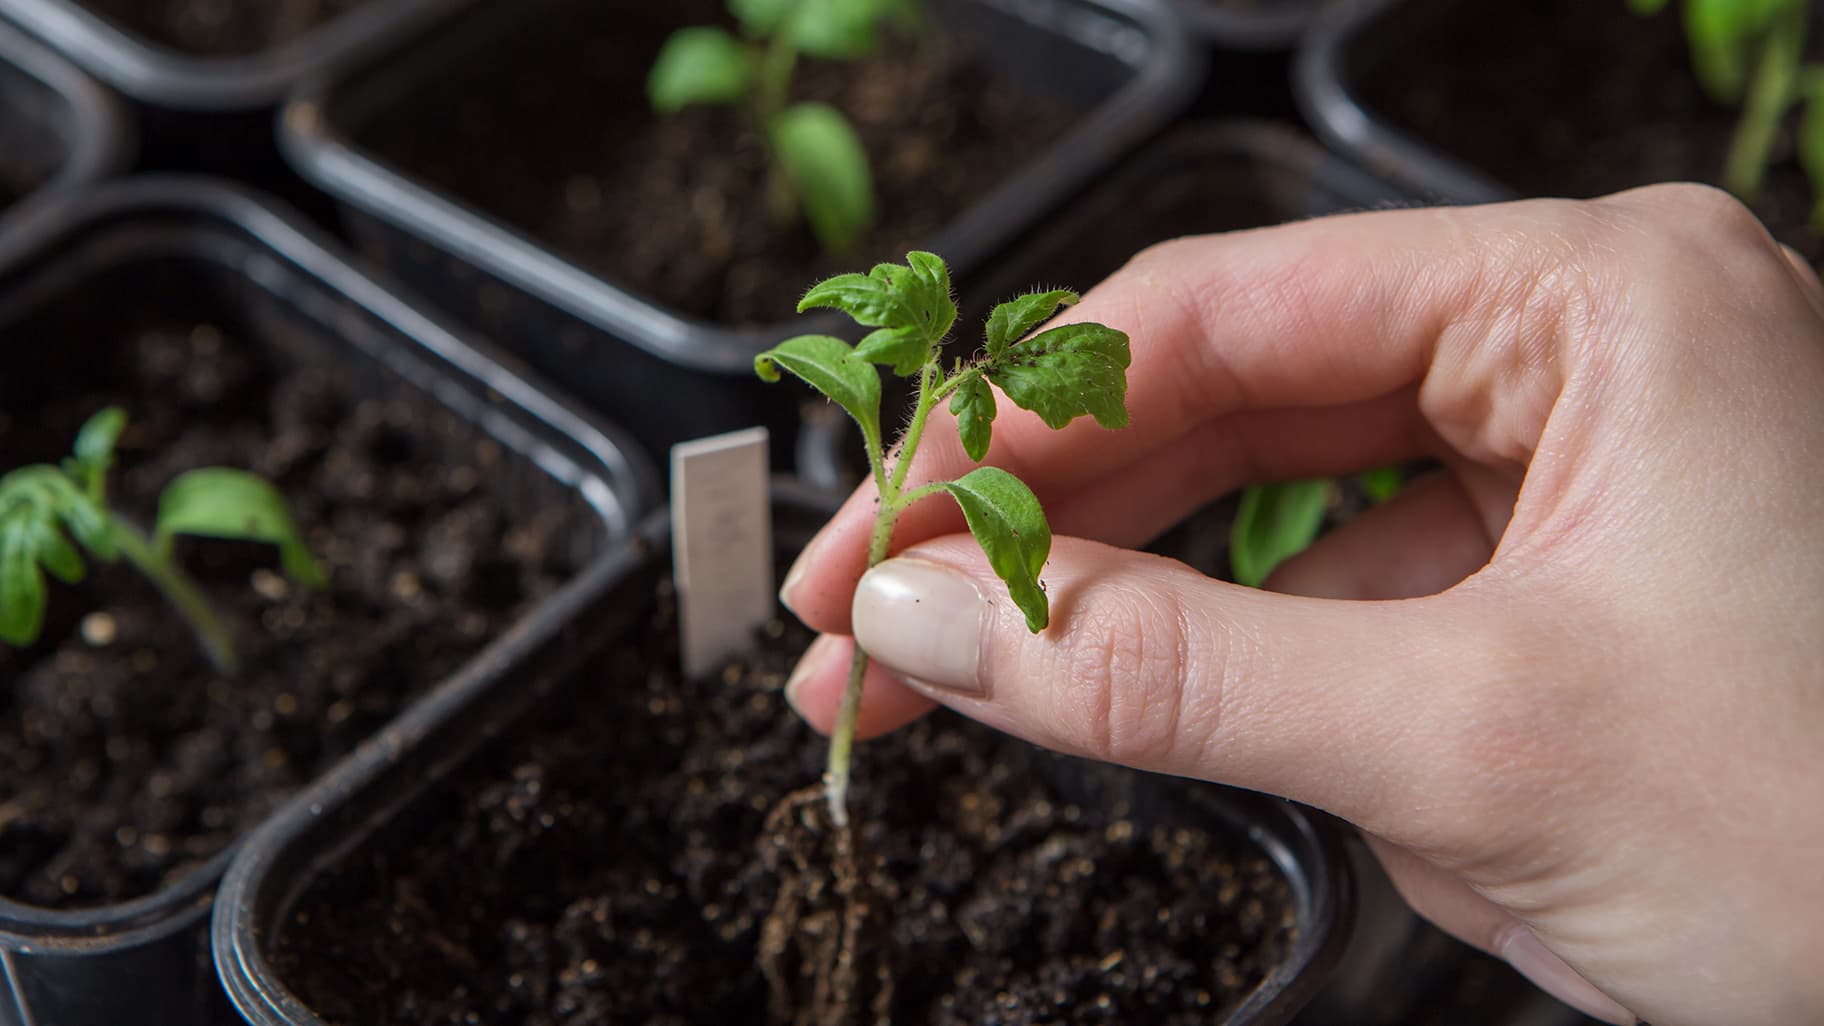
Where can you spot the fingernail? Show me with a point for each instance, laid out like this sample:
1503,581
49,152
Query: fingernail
923,620
808,665
795,575
1530,957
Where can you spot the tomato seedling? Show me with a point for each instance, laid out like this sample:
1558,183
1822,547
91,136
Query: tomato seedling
44,507
1060,374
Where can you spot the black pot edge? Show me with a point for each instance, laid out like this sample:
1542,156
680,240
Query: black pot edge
1163,86
1306,845
619,487
102,136
1327,98
159,76
1250,31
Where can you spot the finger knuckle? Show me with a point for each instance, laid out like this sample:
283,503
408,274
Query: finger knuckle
1125,662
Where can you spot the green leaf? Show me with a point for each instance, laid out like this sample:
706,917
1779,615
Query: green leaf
869,298
905,349
1381,483
828,168
699,65
1065,373
828,29
928,294
94,450
1275,523
1014,319
219,502
831,367
54,552
973,405
22,588
910,302
1010,526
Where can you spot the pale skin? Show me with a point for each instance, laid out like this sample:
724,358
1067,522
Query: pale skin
1571,687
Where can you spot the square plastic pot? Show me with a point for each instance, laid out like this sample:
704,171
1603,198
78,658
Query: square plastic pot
349,815
147,961
157,75
1126,64
61,129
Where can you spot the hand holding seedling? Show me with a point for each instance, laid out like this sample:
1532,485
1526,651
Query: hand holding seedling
1571,689
47,512
1061,374
817,165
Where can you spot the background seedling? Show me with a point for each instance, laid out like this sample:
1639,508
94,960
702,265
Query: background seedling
817,163
1060,374
1751,53
44,508
1278,521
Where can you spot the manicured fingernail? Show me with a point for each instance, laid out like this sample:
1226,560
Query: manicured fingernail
808,665
1530,957
923,620
795,575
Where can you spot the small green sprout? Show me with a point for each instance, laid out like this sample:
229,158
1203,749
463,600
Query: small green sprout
44,507
1751,52
817,164
1278,521
1059,374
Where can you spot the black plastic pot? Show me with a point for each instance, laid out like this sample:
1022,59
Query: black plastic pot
352,814
1251,24
159,75
1201,178
1124,63
61,129
147,961
1357,39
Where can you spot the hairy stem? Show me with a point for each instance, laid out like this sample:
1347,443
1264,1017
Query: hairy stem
892,503
842,739
180,591
1770,96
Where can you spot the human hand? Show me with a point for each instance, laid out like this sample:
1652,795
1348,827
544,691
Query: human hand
1571,688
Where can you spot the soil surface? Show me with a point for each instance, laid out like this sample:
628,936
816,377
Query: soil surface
1575,98
613,864
125,761
221,28
675,209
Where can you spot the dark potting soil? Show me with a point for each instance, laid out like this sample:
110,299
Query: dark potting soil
675,209
125,761
221,28
611,865
1575,98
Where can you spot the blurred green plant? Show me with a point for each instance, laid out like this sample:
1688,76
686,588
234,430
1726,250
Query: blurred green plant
1751,53
43,508
1279,521
817,164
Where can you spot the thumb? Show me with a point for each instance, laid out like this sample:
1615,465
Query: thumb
1147,663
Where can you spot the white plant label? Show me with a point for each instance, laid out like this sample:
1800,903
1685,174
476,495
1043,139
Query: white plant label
722,545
